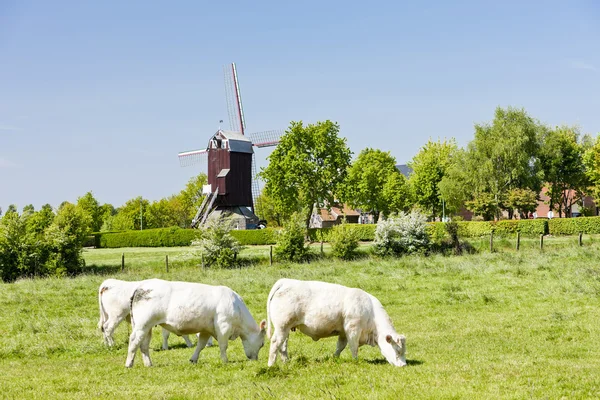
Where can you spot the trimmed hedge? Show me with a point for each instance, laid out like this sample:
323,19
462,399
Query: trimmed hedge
471,229
256,236
170,237
162,237
167,237
365,232
572,226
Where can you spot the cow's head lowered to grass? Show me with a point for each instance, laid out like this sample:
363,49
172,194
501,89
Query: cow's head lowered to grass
254,341
394,349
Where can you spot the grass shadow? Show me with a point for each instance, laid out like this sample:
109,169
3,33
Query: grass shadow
380,361
94,269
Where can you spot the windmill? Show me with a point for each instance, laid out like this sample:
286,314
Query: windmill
231,164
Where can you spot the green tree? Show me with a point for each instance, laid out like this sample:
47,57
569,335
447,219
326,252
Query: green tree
65,237
366,179
504,156
161,214
562,161
396,194
429,167
266,209
591,161
41,220
521,200
189,200
90,205
455,187
131,215
307,168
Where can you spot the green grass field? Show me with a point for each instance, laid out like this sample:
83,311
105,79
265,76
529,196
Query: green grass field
484,326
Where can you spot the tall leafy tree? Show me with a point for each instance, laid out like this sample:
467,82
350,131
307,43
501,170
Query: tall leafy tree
266,209
66,236
90,205
191,197
307,168
562,161
504,156
130,215
429,167
366,179
397,194
591,160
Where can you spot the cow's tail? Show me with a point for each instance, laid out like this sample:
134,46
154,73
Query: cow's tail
103,315
274,289
131,308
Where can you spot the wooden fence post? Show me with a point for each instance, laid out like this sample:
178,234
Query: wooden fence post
167,262
492,242
580,238
122,262
321,247
202,257
541,242
518,240
270,255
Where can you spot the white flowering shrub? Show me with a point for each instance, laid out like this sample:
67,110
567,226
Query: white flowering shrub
402,234
217,245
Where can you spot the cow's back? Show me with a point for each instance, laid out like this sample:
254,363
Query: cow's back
183,307
116,295
318,308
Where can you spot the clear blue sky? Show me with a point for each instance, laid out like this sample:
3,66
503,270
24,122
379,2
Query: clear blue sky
102,96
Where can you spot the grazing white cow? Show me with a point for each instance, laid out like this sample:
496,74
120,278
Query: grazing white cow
186,308
114,297
320,310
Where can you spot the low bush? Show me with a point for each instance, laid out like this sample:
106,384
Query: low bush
218,247
402,234
290,243
344,241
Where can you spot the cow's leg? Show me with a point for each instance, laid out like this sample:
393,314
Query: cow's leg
109,328
202,339
165,337
135,340
187,340
353,341
341,345
279,337
145,349
223,346
210,342
283,349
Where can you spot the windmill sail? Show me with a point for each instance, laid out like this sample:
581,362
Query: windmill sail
187,158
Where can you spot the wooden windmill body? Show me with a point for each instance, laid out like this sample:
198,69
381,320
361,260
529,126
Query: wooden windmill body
231,168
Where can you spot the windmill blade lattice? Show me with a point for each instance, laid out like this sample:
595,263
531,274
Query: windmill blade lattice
266,138
255,186
234,120
193,157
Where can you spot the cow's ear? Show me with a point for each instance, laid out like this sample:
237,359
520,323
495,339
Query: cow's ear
388,338
263,325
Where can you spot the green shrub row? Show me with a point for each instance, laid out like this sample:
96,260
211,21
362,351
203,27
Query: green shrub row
162,237
256,236
572,226
166,237
470,229
169,237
